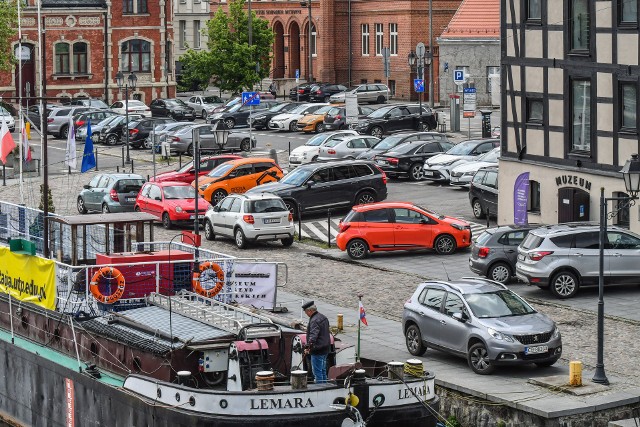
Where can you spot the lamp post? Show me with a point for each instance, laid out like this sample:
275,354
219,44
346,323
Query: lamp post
307,4
131,83
221,133
631,175
419,59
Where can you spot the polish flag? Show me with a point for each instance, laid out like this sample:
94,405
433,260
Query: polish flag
363,315
6,142
25,145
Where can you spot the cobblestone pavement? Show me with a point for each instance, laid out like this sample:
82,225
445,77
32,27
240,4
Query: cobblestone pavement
313,275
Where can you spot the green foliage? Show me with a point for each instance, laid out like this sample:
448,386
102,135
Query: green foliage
50,200
8,27
196,70
452,421
501,423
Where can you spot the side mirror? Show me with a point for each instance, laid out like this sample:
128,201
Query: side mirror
158,198
86,187
386,116
460,317
310,184
216,208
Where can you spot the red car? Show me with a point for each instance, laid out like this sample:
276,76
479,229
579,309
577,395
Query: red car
187,173
171,202
393,226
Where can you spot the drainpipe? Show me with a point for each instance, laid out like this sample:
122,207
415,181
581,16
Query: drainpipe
106,59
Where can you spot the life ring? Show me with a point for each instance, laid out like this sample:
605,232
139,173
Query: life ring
213,291
108,273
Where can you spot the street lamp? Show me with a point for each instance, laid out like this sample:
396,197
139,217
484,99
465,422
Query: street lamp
131,83
631,175
419,59
307,4
221,134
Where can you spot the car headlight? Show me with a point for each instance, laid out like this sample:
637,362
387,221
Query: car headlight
468,174
556,333
499,336
204,186
458,226
178,209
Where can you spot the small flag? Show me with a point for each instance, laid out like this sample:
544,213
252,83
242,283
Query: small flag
88,159
25,144
70,154
363,315
6,141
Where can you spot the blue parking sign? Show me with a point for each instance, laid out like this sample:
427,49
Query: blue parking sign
250,98
418,85
458,76
297,73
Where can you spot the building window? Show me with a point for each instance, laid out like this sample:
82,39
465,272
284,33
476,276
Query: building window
491,71
363,81
142,6
134,6
80,58
535,110
314,52
182,34
581,115
534,196
136,56
196,34
534,10
392,87
62,58
628,107
393,39
580,21
365,39
379,39
465,68
628,12
127,6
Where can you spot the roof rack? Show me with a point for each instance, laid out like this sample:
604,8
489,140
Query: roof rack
442,282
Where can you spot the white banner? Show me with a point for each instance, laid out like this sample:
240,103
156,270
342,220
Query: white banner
253,284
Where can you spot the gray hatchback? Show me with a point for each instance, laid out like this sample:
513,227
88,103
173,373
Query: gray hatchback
110,193
482,321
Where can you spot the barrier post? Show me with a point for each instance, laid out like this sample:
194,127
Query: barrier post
329,227
488,216
123,157
132,166
4,176
299,222
97,160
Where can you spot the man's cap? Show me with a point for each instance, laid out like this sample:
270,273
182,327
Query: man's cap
307,304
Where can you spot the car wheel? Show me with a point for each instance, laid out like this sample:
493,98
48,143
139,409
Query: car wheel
365,197
292,207
564,285
445,244
217,196
166,221
381,99
500,272
241,241
287,242
357,249
147,143
320,127
105,208
229,123
478,359
546,364
64,132
208,230
314,159
203,114
478,212
245,145
190,150
136,209
81,207
293,126
327,99
112,139
416,173
422,127
413,339
376,131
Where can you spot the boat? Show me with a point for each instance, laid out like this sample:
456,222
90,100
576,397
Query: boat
115,329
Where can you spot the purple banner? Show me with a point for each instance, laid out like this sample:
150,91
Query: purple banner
521,199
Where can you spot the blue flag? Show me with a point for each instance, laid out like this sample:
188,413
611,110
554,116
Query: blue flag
88,159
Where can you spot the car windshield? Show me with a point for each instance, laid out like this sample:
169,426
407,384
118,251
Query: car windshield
334,142
390,142
380,112
266,205
175,102
185,168
211,100
498,304
462,149
4,111
296,177
430,212
234,108
129,185
483,238
491,156
180,192
108,120
299,109
281,107
402,148
317,140
333,111
220,170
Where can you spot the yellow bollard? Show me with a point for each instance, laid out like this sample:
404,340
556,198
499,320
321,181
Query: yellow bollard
575,373
340,322
27,128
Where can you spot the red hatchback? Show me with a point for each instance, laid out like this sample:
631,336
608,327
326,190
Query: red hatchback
393,226
170,202
187,173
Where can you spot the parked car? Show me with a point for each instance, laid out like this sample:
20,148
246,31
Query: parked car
335,185
346,147
399,138
392,118
495,132
187,172
483,192
336,118
238,176
250,218
171,202
438,167
204,105
81,120
393,226
230,102
58,120
182,140
261,119
97,128
33,113
238,115
110,193
322,92
289,120
172,107
8,118
133,105
565,257
375,93
301,92
166,130
482,321
314,122
110,131
139,130
463,173
408,159
311,149
494,252
89,102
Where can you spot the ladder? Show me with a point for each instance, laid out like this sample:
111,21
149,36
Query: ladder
215,313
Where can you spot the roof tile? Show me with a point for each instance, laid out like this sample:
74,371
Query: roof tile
476,19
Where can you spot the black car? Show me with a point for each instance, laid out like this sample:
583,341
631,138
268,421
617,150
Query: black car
172,107
408,159
398,138
336,118
301,92
96,116
111,133
260,120
321,186
392,118
238,114
483,192
322,92
139,130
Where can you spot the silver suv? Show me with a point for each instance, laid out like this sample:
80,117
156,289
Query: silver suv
482,321
564,257
376,93
58,119
250,217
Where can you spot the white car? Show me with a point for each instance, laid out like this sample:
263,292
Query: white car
462,173
8,118
289,121
134,106
204,105
437,168
309,152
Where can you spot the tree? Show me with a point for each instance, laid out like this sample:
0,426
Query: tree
8,26
196,70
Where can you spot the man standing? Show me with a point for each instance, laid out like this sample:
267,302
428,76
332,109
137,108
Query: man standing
273,88
318,341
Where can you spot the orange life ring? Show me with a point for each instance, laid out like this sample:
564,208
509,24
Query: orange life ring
108,273
213,291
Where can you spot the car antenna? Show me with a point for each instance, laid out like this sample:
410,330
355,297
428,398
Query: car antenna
445,271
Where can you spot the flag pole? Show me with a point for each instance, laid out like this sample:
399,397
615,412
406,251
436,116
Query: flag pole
20,148
359,323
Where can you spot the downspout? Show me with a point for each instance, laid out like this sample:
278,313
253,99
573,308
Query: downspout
167,58
350,53
106,59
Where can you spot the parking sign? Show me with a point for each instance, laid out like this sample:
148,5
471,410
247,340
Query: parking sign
458,76
297,75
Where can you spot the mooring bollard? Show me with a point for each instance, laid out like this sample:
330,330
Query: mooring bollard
97,160
4,176
299,222
123,157
329,227
132,166
488,216
180,160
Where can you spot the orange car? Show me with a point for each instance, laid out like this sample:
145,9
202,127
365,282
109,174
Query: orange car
237,176
314,122
392,226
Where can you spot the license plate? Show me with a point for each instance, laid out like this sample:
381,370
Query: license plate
536,349
192,217
131,199
271,220
428,173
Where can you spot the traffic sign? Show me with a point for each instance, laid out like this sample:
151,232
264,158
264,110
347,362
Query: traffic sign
297,75
418,85
250,98
469,102
458,77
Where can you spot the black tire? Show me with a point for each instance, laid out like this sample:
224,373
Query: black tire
105,208
81,206
240,239
422,127
217,196
376,131
478,359
564,285
245,145
229,123
445,244
500,272
287,242
413,340
546,364
147,143
415,172
293,126
365,197
136,209
208,230
357,249
64,132
381,99
292,207
320,127
327,99
190,150
314,159
166,221
203,114
476,206
112,139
